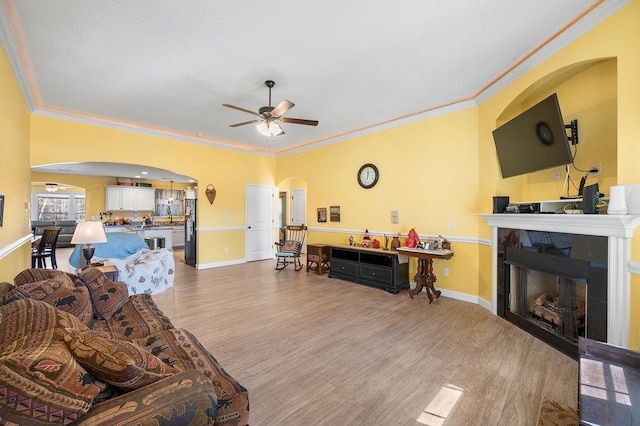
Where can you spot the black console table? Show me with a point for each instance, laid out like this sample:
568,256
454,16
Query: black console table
373,267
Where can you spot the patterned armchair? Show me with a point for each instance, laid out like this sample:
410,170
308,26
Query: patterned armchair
290,247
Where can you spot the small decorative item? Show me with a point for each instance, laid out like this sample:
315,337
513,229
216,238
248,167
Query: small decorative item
350,240
334,213
366,240
444,244
211,193
375,244
386,242
395,243
412,238
322,214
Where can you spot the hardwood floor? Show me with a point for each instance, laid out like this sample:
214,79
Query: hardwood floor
319,351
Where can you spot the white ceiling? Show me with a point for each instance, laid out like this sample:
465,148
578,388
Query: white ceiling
166,67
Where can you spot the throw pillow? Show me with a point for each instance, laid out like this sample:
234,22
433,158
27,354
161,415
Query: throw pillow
60,291
40,382
15,294
120,363
290,247
107,296
5,288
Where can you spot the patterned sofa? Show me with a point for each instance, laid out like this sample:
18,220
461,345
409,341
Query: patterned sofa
79,350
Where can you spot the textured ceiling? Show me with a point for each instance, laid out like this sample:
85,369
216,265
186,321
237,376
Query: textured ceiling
166,67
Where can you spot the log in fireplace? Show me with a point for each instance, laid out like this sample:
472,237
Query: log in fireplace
555,286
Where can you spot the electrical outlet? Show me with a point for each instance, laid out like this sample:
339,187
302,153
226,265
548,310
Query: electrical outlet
597,166
557,175
226,249
445,272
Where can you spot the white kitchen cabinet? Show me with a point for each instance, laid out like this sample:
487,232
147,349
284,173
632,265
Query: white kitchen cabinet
130,198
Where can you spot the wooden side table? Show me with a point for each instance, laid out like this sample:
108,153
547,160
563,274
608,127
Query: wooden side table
425,278
110,271
318,258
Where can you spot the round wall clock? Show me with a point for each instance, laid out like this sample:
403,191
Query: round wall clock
368,175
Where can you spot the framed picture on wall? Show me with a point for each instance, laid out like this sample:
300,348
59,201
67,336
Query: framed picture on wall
1,209
322,214
334,213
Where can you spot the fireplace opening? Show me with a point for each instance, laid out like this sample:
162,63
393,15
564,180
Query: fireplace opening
555,287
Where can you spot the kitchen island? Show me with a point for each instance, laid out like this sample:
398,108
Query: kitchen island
173,234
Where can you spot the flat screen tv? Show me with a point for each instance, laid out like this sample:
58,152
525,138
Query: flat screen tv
534,140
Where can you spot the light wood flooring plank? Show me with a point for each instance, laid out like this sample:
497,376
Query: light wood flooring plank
321,351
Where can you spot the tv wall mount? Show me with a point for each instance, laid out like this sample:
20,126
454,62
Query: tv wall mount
545,135
574,131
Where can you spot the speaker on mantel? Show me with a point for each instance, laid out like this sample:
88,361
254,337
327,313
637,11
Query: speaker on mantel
500,204
590,199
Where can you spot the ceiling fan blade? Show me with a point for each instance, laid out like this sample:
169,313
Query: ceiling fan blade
282,107
299,121
244,123
241,109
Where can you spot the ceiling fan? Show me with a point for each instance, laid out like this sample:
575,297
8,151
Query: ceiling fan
269,117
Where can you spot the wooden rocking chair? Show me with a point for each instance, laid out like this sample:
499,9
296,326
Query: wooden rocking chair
290,247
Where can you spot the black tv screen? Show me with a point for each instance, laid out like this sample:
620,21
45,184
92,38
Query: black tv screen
534,140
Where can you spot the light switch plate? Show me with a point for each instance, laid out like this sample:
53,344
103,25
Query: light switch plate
395,216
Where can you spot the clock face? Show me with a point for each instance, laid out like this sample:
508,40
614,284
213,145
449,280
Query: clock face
368,175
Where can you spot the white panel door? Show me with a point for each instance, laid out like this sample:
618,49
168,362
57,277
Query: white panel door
259,213
298,206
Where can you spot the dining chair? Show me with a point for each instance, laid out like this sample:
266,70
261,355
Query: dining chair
45,247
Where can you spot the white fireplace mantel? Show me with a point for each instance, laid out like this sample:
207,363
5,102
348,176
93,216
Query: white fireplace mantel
619,230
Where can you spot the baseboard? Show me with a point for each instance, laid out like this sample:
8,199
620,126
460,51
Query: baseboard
220,264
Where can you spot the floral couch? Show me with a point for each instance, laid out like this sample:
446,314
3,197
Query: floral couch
79,350
143,270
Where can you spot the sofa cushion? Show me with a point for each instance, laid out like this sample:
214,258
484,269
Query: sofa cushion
107,296
186,398
122,364
179,348
40,381
38,274
60,291
139,317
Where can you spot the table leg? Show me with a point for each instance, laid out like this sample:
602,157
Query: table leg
420,280
425,279
431,278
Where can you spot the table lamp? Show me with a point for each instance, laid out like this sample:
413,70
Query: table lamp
88,233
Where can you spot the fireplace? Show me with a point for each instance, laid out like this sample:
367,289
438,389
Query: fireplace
555,286
616,230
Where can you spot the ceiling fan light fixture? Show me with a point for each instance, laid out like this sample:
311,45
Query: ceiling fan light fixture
51,187
269,128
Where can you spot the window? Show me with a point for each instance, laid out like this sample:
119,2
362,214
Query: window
57,206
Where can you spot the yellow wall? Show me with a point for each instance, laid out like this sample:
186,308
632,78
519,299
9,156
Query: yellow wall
428,172
15,175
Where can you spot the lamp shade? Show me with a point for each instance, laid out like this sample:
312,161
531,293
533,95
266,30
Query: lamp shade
89,232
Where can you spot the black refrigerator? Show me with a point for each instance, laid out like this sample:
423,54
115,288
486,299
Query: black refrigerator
190,231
